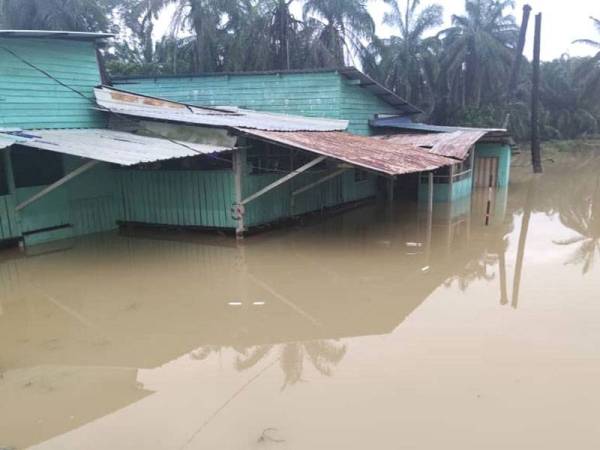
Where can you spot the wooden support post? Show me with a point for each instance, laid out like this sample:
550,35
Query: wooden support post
84,168
238,161
451,183
536,158
391,185
429,211
8,172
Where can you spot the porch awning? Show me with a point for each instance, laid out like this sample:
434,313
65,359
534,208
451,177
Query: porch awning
117,147
451,145
370,153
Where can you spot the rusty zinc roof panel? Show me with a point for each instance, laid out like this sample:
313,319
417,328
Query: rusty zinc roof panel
136,105
363,151
452,145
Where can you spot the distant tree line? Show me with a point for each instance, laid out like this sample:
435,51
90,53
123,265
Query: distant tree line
457,76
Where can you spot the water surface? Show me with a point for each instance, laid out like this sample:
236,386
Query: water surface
371,329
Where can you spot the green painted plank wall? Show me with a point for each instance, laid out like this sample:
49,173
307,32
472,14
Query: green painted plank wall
503,152
90,203
277,205
359,106
29,99
327,94
9,226
309,94
186,198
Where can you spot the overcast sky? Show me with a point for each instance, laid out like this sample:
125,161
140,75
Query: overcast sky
563,22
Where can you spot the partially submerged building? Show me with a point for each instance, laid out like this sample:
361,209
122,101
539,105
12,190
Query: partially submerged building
81,157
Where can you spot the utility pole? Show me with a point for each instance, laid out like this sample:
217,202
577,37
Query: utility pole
536,158
516,66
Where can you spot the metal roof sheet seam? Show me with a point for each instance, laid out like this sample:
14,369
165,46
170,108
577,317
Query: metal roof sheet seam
117,147
362,151
131,104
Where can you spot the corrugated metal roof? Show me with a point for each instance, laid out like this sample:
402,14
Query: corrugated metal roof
363,151
348,72
131,104
115,147
452,145
47,34
6,140
405,123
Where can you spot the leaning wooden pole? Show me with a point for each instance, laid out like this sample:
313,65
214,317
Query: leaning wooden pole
536,158
516,66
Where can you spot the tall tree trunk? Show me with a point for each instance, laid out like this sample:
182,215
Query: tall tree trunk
516,66
536,158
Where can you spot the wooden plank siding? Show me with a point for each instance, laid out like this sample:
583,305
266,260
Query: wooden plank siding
324,94
29,99
9,225
183,198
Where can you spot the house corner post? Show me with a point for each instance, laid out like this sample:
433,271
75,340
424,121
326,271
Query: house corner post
239,172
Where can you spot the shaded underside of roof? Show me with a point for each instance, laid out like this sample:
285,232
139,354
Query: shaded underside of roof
452,145
117,147
362,151
47,34
402,123
136,105
351,73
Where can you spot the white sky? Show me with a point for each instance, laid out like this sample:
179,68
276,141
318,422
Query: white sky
563,22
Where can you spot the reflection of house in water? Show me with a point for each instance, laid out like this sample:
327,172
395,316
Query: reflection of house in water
132,303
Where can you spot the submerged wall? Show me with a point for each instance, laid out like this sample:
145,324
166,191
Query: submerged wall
445,192
504,155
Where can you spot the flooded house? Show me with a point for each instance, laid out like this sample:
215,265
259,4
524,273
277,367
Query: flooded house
81,156
481,156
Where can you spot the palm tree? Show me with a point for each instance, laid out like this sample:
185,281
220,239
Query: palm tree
408,60
70,15
139,17
582,214
589,72
338,29
479,50
204,18
323,355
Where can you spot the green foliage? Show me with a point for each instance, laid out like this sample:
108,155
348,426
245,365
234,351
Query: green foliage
458,76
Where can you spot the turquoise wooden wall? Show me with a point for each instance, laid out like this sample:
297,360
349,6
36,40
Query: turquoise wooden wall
324,94
463,188
178,197
90,203
359,106
504,155
9,225
29,99
277,204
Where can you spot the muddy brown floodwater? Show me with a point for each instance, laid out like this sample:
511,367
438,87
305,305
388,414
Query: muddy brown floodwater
366,330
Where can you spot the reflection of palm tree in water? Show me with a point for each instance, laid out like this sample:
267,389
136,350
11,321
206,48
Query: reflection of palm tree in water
583,217
323,355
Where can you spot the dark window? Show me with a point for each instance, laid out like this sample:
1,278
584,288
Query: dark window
3,180
360,175
35,167
265,158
